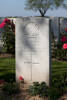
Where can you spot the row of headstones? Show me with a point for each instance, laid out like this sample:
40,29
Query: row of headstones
58,24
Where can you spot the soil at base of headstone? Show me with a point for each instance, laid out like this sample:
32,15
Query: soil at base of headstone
23,95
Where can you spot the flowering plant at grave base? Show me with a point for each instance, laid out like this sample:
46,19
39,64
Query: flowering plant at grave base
21,78
65,29
64,39
8,36
61,51
7,22
65,46
2,25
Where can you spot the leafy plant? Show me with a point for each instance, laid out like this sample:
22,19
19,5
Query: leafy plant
8,37
53,93
11,88
34,89
43,89
43,5
40,89
58,88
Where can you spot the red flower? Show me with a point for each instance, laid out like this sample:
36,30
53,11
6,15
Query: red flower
66,29
20,78
6,20
65,46
2,25
64,39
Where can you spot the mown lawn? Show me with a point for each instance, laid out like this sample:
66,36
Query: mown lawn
7,62
59,68
7,68
7,72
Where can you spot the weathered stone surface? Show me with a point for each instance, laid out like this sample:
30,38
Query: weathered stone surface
32,49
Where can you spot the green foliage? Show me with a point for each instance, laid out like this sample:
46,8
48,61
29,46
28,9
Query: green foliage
40,89
54,93
43,5
59,2
58,51
58,88
8,77
8,38
11,88
34,90
60,54
59,82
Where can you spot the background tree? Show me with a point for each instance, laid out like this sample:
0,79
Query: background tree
43,5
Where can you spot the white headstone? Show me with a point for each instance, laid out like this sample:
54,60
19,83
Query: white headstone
32,49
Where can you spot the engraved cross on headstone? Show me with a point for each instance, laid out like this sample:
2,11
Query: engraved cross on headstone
31,62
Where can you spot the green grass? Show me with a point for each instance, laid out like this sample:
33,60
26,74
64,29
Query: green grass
59,68
7,68
7,63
